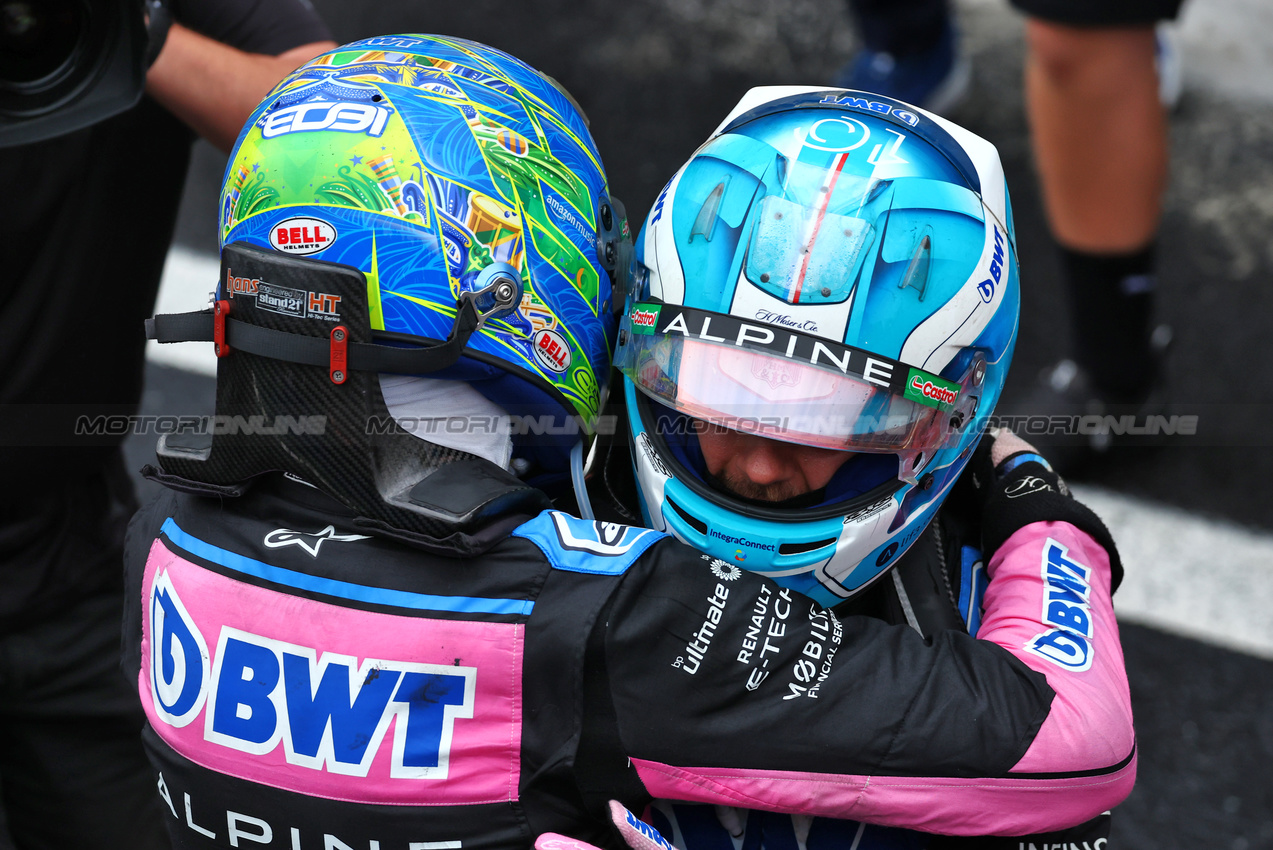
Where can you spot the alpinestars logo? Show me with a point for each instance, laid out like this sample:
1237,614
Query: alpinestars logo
311,542
724,570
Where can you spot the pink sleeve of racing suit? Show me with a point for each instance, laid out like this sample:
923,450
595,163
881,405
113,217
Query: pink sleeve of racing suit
1048,605
1091,717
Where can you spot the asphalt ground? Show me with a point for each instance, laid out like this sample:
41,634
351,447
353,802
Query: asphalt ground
656,76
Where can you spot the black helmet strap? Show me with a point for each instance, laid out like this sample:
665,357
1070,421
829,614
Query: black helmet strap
337,352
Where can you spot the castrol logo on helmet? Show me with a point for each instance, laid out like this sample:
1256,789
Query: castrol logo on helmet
931,390
644,320
302,235
552,351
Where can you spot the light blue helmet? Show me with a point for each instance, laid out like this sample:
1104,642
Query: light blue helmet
834,269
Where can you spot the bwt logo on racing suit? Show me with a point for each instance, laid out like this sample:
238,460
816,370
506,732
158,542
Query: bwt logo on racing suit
330,714
1067,589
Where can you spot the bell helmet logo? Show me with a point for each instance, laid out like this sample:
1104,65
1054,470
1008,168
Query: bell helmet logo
178,657
302,235
552,351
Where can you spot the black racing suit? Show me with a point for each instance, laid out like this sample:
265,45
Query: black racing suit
938,584
311,683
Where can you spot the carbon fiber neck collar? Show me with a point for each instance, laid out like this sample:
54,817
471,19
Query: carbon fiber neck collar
274,415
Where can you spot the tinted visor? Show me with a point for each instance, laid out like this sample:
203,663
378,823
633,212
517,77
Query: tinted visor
783,384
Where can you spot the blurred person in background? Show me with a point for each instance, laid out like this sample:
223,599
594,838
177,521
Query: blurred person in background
1098,128
911,52
88,218
1098,77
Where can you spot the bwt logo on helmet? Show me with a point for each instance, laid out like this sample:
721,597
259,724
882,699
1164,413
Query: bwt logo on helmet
1067,589
987,287
302,235
389,41
657,212
341,117
332,714
851,102
552,351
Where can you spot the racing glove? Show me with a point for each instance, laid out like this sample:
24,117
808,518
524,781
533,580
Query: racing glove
1009,485
636,833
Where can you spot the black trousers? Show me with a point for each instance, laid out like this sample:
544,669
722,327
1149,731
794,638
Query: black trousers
900,27
72,770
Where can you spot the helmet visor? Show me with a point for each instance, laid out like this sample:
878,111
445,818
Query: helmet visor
782,383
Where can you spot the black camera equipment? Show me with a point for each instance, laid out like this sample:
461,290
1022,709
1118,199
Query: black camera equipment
66,64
